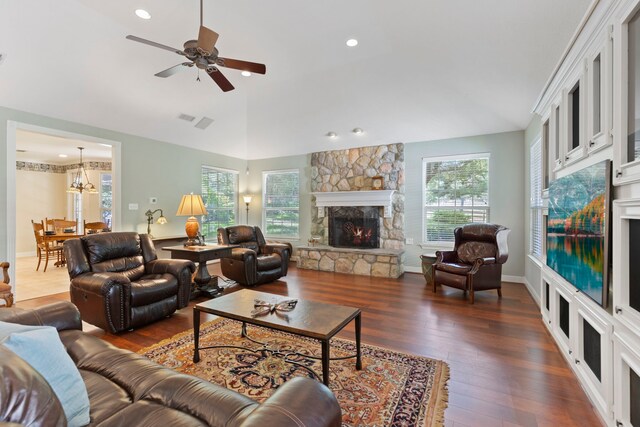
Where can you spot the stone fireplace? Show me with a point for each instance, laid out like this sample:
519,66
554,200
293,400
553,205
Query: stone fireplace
354,227
361,230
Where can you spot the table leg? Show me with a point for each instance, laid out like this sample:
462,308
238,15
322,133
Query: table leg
358,352
202,275
196,335
325,362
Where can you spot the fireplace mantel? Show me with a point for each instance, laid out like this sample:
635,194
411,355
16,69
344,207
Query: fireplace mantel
382,198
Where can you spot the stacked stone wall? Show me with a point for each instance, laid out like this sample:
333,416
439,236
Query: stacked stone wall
353,170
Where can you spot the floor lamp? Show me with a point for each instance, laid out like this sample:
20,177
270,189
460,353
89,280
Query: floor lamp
247,200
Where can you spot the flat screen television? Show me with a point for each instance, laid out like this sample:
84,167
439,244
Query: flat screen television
578,229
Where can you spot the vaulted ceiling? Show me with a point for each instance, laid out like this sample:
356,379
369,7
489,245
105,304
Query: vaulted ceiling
423,69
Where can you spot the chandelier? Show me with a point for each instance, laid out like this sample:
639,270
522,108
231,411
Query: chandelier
77,186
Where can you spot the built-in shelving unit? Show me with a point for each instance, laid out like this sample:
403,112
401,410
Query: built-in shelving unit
590,111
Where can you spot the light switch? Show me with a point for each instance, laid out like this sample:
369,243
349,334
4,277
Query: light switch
133,206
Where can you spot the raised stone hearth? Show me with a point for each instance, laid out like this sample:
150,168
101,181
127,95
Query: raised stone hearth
365,262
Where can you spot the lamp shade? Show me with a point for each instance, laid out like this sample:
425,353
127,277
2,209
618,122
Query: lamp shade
247,198
191,205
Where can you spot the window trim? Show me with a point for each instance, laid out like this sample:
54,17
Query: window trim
264,198
236,190
451,157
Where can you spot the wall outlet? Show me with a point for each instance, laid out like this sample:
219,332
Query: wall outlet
133,206
153,200
409,241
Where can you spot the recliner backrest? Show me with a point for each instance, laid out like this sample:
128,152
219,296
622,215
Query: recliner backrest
243,235
115,252
480,240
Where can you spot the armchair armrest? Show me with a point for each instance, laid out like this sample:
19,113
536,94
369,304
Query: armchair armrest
100,283
243,254
298,402
446,256
278,248
480,262
175,267
62,315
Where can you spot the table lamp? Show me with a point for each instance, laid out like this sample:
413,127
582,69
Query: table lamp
191,205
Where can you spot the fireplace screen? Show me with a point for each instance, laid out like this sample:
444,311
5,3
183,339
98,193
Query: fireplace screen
351,227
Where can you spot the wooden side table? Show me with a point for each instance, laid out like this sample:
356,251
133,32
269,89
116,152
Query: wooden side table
427,265
204,282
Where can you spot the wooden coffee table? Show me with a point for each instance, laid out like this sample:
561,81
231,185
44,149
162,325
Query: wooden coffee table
309,319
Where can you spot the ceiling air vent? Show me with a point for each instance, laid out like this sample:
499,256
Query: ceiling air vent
186,117
204,123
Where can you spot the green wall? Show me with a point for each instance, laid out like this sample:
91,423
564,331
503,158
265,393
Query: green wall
149,168
506,199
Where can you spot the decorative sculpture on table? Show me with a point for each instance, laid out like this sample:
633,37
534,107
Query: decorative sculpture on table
261,308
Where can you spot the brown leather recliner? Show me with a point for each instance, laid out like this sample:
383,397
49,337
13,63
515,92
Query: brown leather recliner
475,263
118,282
256,261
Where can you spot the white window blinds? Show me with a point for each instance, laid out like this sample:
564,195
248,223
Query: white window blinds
536,203
456,192
220,195
281,203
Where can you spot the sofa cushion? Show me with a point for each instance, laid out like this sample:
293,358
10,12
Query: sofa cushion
269,262
108,246
455,268
41,348
152,288
25,396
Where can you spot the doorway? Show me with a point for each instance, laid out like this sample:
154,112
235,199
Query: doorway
46,162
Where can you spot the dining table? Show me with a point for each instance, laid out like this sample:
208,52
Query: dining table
59,237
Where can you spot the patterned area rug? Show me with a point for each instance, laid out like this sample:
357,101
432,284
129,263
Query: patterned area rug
392,389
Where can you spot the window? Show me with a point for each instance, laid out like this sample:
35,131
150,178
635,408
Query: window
281,203
633,131
220,195
574,117
456,192
106,198
536,205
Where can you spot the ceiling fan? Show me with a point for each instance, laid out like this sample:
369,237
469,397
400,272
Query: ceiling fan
204,55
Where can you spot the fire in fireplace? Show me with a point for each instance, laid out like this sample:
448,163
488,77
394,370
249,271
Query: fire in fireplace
354,227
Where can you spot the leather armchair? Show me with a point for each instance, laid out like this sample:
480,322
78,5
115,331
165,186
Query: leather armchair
255,261
475,263
118,282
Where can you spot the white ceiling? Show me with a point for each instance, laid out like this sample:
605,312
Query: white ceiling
424,69
43,148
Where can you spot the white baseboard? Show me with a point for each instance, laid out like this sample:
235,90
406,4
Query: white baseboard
513,279
533,294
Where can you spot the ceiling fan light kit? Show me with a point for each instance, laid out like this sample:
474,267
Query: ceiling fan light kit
205,56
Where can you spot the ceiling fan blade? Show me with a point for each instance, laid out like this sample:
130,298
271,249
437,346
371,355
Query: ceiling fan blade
171,71
207,40
242,65
220,79
154,44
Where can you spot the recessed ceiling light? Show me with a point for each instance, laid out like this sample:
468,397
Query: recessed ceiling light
357,131
62,155
332,135
143,14
352,42
246,73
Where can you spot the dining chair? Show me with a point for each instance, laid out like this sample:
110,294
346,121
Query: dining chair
44,245
95,227
60,225
48,223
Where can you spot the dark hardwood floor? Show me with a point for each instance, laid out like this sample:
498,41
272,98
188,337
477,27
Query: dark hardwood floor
506,369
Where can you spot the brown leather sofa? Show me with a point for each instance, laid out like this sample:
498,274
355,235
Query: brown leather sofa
118,282
475,263
256,261
126,389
